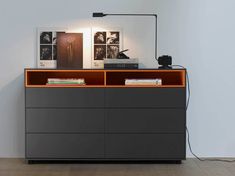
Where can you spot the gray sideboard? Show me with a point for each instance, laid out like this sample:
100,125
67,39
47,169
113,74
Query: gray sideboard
105,123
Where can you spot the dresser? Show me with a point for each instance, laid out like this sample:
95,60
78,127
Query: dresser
105,119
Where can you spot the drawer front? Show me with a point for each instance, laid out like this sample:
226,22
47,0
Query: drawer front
145,146
64,97
64,146
145,121
145,97
65,120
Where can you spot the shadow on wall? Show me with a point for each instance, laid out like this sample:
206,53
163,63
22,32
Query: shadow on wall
12,118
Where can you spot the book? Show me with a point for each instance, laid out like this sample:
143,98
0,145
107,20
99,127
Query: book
55,85
121,66
65,81
132,63
150,82
121,61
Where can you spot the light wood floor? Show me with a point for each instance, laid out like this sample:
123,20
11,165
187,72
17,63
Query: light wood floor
190,167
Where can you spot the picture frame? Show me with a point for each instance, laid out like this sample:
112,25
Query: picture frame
69,50
106,43
47,46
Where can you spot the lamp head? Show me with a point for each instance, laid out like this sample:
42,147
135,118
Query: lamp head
98,14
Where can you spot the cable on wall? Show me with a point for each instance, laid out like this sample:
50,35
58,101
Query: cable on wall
187,131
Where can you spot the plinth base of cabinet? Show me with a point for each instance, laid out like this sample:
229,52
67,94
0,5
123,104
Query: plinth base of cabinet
101,161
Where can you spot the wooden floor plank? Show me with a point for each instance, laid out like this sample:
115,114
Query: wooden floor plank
190,167
214,168
187,168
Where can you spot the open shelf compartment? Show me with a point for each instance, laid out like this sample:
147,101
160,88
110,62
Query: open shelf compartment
104,78
38,78
170,78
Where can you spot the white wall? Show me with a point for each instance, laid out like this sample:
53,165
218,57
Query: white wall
198,34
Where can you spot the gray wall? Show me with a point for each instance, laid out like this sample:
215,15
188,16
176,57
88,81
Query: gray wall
199,34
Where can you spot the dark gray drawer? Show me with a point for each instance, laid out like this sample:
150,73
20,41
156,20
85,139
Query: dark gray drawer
145,97
145,146
65,120
145,121
61,146
64,97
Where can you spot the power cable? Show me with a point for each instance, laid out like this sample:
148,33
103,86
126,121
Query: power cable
187,131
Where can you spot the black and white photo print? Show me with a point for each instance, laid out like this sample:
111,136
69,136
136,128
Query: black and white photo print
112,51
113,37
100,37
106,44
47,46
54,38
46,38
99,52
45,52
54,52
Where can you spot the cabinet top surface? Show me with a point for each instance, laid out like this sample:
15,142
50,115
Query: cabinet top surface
142,69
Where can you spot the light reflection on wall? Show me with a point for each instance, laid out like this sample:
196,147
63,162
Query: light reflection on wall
137,36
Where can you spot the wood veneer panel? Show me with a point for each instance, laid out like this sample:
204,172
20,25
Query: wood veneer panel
169,78
105,78
69,50
39,77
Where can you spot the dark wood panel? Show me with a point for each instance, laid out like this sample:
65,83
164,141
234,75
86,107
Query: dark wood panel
160,146
69,50
65,120
145,97
64,97
40,77
65,146
145,121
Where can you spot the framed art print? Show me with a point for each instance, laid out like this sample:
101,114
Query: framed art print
47,47
69,50
106,43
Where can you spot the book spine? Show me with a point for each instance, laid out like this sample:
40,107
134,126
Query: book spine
65,81
48,84
121,66
143,82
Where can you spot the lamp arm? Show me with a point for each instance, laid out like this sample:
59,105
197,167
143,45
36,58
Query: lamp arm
156,37
154,15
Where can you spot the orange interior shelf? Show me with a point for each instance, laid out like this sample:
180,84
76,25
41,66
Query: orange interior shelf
105,78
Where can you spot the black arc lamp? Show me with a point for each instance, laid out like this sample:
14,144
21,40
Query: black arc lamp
100,14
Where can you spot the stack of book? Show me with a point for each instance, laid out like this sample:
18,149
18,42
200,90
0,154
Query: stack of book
132,63
143,82
64,81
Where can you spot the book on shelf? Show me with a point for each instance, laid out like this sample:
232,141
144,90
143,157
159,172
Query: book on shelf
146,82
64,81
65,85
